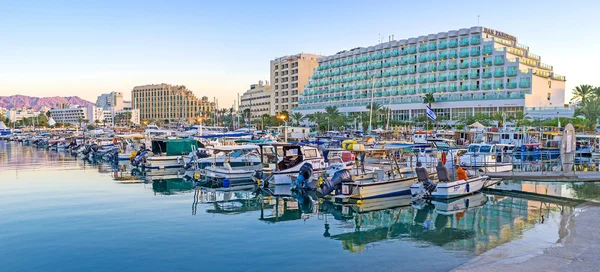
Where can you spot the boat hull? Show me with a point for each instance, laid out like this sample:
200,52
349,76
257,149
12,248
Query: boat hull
370,189
448,190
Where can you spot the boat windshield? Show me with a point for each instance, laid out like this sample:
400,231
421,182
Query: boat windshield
485,149
474,148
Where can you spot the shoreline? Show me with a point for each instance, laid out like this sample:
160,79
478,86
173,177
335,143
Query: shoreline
578,251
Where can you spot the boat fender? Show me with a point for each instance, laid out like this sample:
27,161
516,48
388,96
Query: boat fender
468,188
196,176
359,202
178,160
467,202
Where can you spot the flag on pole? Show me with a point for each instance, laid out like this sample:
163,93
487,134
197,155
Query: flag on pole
430,113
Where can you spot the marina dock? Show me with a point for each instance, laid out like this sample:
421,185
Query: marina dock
548,176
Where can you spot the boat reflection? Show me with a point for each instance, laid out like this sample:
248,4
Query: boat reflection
281,204
224,201
474,223
171,186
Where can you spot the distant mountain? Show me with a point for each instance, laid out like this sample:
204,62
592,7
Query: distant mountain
22,101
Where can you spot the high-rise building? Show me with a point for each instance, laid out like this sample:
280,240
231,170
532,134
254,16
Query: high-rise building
112,101
467,71
257,99
175,103
289,74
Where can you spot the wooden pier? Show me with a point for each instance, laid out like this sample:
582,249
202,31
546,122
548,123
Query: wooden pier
548,176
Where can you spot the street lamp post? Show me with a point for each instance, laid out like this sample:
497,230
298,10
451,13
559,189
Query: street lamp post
282,117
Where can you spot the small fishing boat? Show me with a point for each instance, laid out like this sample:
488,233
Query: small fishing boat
224,171
168,154
487,158
448,187
285,164
453,189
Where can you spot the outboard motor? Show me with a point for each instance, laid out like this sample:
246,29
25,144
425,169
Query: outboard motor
336,181
304,176
429,186
201,154
139,159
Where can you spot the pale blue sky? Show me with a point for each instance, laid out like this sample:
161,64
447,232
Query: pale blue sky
219,48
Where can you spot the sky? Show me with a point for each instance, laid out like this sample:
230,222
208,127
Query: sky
218,48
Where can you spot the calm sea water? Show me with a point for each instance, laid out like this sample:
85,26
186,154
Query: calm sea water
58,213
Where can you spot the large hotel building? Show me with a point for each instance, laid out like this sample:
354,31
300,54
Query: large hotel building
175,103
468,71
289,75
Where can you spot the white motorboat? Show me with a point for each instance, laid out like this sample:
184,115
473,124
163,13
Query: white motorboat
248,162
377,184
487,158
285,164
447,190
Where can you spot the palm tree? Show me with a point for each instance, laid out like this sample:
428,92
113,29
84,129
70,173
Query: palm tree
428,99
582,93
317,117
499,118
590,110
332,111
297,117
519,118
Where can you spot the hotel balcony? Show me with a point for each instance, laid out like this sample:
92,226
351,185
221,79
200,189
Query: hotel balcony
432,46
475,40
464,65
443,55
511,71
511,85
443,45
442,66
499,60
486,74
464,53
423,48
453,43
464,41
499,73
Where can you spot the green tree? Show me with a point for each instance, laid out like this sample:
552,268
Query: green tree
499,117
318,118
590,111
297,117
428,99
520,118
582,93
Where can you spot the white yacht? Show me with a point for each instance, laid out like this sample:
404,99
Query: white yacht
487,158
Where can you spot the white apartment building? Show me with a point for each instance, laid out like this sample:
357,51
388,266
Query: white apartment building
468,71
257,99
289,75
18,114
74,113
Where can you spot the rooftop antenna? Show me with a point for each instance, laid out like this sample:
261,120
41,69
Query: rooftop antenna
478,20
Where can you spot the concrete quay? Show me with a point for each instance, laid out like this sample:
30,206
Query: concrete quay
579,251
548,176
